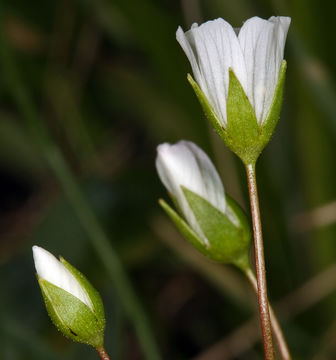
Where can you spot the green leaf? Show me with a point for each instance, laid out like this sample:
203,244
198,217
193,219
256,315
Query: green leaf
71,316
242,132
228,234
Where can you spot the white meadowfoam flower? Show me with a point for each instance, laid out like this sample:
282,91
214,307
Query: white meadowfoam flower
254,52
184,164
49,268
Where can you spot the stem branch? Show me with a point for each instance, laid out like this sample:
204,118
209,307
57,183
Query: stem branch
260,263
278,334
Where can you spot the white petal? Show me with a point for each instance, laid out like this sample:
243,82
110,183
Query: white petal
185,164
189,49
210,185
51,269
263,42
212,48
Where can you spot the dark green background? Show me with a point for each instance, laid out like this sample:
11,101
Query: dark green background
109,81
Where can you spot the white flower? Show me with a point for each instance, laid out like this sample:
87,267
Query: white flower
185,164
254,53
52,270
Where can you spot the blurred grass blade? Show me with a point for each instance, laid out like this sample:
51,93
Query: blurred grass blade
71,188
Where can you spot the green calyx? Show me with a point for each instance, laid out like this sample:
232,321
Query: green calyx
242,134
228,234
70,315
96,300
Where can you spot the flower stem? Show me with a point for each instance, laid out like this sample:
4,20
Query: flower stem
260,263
278,334
103,354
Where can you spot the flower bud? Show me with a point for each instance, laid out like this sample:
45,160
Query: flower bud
73,305
210,220
240,77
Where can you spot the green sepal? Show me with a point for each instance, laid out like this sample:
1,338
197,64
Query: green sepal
96,300
242,134
228,233
273,115
242,131
71,316
207,108
237,215
184,228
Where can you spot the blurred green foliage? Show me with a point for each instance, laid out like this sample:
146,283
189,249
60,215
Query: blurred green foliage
109,81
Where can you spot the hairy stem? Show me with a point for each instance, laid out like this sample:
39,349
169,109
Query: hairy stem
260,263
277,331
103,354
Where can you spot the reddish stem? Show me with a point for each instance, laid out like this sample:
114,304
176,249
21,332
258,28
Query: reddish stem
102,353
277,331
260,263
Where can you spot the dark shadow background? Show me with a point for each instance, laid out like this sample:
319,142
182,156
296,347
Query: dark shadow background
109,81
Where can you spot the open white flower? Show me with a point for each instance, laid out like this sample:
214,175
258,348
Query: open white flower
49,268
184,164
254,53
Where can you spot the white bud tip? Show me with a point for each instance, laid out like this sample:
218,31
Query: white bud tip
49,268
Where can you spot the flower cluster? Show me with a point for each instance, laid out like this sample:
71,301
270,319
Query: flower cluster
239,82
240,76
